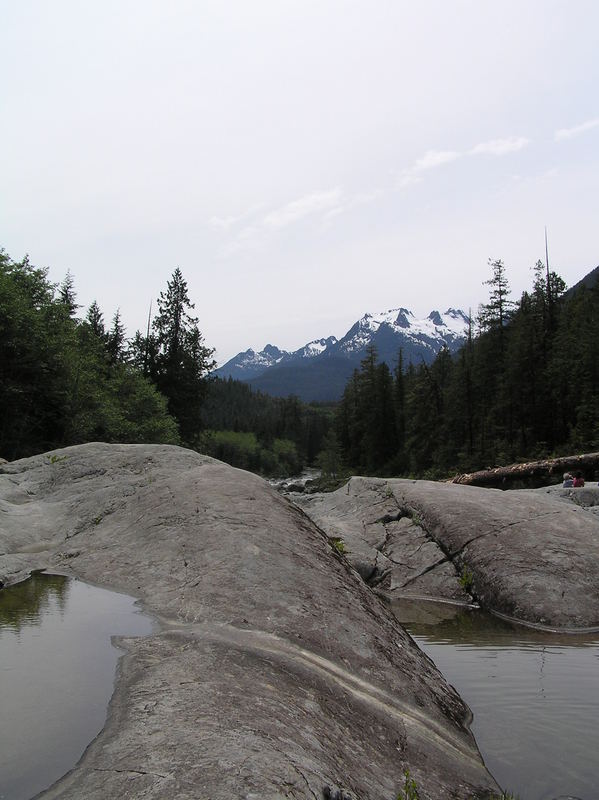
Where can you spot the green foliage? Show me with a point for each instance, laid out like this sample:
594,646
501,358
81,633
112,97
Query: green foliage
63,380
176,358
466,579
525,387
235,406
416,518
338,544
366,426
329,458
410,789
243,449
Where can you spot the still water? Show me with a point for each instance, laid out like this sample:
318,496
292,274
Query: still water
534,696
57,671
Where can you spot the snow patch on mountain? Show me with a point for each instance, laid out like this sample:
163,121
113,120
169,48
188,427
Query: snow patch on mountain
388,331
428,331
316,347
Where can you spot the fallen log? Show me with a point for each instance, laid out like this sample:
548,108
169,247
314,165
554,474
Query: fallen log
531,473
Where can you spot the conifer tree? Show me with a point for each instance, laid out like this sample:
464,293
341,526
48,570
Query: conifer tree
494,315
181,361
67,295
115,339
400,413
95,319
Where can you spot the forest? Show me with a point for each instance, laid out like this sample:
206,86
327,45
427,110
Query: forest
67,378
525,385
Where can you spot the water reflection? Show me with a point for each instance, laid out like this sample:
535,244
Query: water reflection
57,669
27,602
534,696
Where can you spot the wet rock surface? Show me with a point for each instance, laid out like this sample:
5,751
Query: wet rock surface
276,671
532,555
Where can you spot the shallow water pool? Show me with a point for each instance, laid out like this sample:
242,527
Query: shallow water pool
57,672
534,696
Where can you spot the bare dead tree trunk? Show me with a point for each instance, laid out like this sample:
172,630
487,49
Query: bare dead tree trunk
537,473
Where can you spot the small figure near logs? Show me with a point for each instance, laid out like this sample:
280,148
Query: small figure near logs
578,480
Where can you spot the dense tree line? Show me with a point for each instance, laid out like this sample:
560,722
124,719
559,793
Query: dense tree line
255,431
525,385
66,379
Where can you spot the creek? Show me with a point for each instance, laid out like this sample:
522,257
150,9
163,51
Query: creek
534,696
57,670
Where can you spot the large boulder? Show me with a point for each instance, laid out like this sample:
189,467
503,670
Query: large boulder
385,541
275,672
532,555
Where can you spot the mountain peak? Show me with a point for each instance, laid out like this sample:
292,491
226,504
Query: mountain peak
272,351
327,363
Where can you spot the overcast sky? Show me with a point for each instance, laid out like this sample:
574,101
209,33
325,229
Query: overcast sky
302,162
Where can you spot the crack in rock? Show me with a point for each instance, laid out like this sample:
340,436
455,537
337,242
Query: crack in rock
130,772
425,571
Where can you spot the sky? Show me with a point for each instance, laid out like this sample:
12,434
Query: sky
302,161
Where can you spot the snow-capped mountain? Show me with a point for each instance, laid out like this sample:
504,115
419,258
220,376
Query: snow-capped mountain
249,364
430,333
320,369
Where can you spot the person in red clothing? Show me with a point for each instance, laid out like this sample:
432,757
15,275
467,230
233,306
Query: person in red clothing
578,479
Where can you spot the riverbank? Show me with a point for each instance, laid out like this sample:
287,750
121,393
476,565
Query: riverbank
276,671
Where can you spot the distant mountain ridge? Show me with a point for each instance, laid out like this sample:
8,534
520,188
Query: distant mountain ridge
319,370
249,364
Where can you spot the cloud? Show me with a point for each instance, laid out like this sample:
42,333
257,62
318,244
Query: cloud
408,179
569,133
430,160
225,223
325,204
314,203
435,158
499,147
248,238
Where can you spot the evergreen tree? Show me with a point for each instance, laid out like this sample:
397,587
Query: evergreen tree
115,339
385,420
329,459
67,295
57,386
494,315
95,320
400,413
181,360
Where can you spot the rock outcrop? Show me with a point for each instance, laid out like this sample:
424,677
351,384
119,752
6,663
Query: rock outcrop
275,672
530,555
385,541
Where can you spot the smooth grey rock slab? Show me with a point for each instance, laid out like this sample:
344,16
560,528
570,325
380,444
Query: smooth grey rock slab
275,672
585,496
390,551
532,557
533,554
